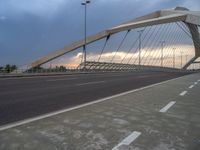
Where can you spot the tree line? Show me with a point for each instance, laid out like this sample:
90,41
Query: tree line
8,68
50,69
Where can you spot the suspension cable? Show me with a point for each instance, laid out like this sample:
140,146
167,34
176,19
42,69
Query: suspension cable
137,47
133,45
167,37
104,46
120,45
177,40
151,44
189,34
180,39
157,52
154,42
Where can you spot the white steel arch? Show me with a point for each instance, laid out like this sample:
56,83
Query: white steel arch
190,18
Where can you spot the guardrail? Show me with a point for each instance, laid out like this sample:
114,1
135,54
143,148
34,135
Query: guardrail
46,72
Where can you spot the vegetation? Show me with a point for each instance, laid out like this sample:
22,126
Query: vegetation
61,68
8,68
55,69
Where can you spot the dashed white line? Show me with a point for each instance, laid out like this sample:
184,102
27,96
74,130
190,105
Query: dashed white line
90,83
170,104
128,140
191,86
183,93
195,83
199,80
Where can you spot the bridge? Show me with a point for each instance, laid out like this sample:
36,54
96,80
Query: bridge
162,38
138,89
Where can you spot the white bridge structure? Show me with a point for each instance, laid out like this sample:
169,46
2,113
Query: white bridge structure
155,27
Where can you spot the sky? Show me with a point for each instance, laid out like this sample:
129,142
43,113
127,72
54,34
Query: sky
30,29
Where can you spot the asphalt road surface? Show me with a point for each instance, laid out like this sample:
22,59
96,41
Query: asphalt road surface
22,98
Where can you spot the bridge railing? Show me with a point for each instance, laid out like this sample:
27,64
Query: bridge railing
91,67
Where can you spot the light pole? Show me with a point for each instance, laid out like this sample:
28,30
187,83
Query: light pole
162,45
85,3
174,57
186,58
181,59
140,45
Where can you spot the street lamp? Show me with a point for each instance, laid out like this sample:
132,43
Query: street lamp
140,45
186,58
181,59
174,57
85,3
162,44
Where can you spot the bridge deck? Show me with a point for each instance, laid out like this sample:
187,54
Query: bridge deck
163,116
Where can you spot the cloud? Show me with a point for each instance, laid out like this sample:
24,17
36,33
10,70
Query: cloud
148,57
43,8
37,27
2,18
191,4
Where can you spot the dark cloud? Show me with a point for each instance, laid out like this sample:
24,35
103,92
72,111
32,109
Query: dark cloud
33,28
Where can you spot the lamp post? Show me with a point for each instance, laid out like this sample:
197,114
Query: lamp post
186,58
85,3
181,59
162,45
140,45
174,57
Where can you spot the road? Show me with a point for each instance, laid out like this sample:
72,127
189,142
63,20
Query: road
22,98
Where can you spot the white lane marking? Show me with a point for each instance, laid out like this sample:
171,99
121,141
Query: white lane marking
170,104
195,83
60,79
183,93
128,140
199,80
87,83
19,123
191,86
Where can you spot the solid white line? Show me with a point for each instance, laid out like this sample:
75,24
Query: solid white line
90,83
183,93
170,104
128,140
18,123
191,86
60,79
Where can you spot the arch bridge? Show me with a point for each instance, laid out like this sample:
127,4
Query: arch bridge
164,39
